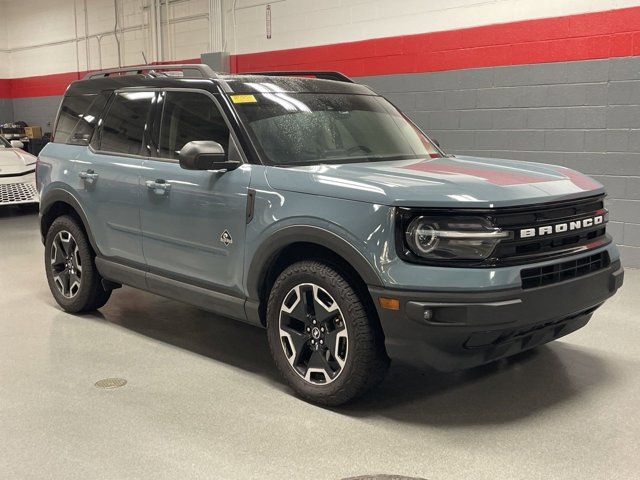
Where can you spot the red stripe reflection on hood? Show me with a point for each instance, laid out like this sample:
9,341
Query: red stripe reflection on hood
578,179
492,176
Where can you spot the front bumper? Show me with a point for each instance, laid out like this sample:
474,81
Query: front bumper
466,329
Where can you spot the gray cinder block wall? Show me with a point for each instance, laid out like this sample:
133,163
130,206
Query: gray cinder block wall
583,115
6,110
40,111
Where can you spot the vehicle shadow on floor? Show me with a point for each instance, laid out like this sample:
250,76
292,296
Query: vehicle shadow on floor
18,211
221,339
505,391
502,392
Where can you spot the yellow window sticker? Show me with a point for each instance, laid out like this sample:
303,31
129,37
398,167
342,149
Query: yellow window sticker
243,99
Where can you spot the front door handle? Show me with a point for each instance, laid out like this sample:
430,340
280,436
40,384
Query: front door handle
89,176
159,187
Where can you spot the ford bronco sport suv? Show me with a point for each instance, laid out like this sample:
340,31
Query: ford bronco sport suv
305,203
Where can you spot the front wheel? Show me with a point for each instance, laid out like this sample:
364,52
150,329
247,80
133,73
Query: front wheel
322,338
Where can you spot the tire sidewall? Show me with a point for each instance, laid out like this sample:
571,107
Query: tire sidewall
83,296
280,290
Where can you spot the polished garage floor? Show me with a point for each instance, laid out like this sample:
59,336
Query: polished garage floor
204,401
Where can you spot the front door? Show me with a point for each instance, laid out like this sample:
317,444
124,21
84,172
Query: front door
193,222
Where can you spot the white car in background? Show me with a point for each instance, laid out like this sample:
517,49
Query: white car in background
17,174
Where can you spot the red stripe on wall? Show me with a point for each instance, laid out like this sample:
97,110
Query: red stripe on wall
5,88
614,33
589,36
44,85
54,84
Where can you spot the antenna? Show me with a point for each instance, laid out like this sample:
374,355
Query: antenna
144,57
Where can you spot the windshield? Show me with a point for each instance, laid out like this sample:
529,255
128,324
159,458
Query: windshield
4,143
311,128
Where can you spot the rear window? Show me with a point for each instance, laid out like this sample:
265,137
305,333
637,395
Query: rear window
78,118
124,124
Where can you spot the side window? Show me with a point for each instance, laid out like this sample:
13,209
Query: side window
87,122
189,116
124,125
72,110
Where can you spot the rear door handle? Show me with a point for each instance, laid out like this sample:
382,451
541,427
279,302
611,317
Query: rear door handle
89,176
159,187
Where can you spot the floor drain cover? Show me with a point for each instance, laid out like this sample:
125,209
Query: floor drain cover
111,383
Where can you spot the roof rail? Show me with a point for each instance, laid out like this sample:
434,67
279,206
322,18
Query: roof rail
196,70
324,75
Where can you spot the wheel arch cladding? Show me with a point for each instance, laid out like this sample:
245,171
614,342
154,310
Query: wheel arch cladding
292,244
59,202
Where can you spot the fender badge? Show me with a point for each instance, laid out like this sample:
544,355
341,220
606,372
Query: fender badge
225,238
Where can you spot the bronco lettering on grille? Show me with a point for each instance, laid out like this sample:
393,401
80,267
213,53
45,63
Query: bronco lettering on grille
561,227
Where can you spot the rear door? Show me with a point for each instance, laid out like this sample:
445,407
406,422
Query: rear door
109,172
193,222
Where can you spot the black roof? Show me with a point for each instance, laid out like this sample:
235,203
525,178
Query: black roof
95,85
246,84
236,83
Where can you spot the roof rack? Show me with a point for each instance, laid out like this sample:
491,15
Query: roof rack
196,70
324,75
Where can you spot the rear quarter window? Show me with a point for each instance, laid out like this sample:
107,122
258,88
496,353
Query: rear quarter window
78,118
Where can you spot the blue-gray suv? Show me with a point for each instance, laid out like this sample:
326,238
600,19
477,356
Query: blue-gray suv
307,204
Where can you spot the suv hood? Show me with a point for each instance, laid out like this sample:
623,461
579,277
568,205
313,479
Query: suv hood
443,182
14,161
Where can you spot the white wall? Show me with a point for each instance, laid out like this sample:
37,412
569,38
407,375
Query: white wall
189,29
3,29
4,54
44,40
4,65
302,23
41,34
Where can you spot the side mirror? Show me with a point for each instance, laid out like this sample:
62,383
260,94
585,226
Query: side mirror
205,155
17,144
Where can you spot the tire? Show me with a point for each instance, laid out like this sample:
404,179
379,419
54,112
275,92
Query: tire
68,254
339,335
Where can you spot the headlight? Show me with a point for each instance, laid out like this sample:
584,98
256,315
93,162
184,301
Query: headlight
456,238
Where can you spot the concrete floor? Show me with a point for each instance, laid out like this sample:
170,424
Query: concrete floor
203,399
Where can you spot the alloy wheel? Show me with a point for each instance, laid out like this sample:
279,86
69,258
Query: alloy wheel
313,334
66,264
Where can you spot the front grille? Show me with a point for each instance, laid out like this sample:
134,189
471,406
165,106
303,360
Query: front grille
18,193
518,249
558,272
527,250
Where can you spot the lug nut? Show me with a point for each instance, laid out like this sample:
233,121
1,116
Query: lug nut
321,342
308,329
313,342
322,329
314,322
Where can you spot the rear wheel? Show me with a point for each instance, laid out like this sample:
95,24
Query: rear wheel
73,278
322,338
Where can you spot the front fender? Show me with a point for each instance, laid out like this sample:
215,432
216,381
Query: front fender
273,243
